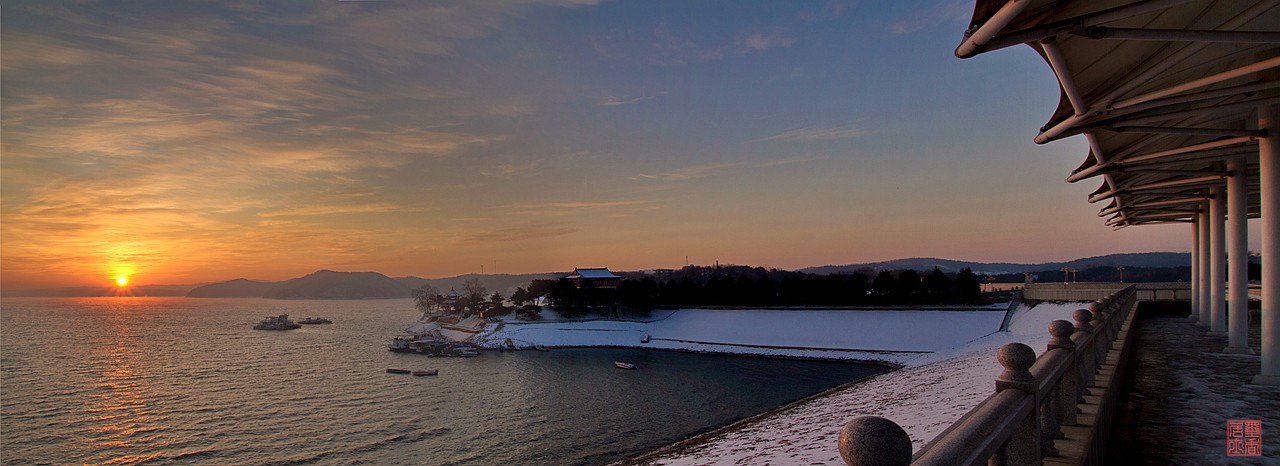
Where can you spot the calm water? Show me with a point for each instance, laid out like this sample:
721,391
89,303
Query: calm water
175,380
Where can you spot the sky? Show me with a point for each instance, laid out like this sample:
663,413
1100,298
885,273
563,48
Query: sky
194,142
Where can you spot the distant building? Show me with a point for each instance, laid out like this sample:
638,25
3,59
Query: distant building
600,277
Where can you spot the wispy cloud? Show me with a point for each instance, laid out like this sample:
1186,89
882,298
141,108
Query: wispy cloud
714,169
687,173
941,13
613,101
524,232
819,134
768,38
568,208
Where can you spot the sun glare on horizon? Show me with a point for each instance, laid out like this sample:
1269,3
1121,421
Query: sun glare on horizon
122,281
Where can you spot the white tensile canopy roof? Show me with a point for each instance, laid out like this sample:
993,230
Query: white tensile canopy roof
1165,91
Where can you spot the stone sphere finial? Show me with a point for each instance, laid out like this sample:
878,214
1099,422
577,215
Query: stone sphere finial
1061,331
1017,359
874,441
1083,317
1096,307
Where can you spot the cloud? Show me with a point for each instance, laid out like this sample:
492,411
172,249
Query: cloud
566,208
769,38
942,13
687,173
712,169
612,101
818,134
524,232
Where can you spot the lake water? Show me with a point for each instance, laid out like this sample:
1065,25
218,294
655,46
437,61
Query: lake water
176,380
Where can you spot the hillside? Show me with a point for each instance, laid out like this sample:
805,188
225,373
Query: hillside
327,284
238,288
1146,259
502,283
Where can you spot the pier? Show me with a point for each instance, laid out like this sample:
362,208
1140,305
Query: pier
1179,103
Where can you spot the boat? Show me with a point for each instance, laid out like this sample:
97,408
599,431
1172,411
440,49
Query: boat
280,322
511,345
624,365
422,373
399,371
315,320
540,348
462,352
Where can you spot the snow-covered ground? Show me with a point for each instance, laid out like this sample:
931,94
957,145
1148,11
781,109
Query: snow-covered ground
933,391
893,336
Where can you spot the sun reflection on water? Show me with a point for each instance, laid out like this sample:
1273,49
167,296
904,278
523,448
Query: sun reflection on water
119,413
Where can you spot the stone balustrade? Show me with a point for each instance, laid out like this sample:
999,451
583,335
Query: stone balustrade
1053,409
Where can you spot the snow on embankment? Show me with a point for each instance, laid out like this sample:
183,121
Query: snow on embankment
928,395
889,336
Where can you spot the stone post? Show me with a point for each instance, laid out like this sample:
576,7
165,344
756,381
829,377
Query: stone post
874,441
1023,447
1067,386
1084,357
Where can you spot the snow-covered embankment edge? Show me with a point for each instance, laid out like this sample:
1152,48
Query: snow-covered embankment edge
893,337
925,397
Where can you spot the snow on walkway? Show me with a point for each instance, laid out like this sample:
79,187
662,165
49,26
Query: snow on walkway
924,398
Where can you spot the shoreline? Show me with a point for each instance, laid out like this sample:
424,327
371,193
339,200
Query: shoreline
689,443
892,366
924,396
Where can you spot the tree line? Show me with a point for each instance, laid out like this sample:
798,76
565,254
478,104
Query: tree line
741,286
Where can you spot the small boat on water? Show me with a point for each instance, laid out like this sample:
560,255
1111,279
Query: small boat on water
624,365
422,373
315,320
280,322
510,345
462,352
399,371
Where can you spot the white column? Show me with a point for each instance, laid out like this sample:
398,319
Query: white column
1206,301
1269,155
1238,260
1218,261
1195,268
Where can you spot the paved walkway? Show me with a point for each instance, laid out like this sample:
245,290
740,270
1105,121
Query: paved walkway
1182,392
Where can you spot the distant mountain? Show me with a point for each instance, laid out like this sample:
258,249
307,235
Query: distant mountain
502,283
1145,259
238,288
327,284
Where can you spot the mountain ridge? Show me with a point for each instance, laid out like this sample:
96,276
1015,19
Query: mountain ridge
380,286
1140,259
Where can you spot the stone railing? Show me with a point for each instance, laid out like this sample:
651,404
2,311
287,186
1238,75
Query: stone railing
1056,408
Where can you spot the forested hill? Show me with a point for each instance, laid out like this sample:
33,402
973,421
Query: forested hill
1145,259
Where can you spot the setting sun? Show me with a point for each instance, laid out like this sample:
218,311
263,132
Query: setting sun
122,281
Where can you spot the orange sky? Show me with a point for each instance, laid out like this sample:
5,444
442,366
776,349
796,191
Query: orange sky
181,144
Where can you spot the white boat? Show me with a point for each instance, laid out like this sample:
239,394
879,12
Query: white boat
463,352
624,365
280,322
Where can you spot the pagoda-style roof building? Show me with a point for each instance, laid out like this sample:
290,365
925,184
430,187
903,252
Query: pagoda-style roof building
600,277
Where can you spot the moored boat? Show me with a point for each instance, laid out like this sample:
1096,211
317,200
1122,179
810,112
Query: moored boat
280,322
624,365
428,372
399,371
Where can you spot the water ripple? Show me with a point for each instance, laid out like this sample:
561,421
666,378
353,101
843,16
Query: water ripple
186,381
